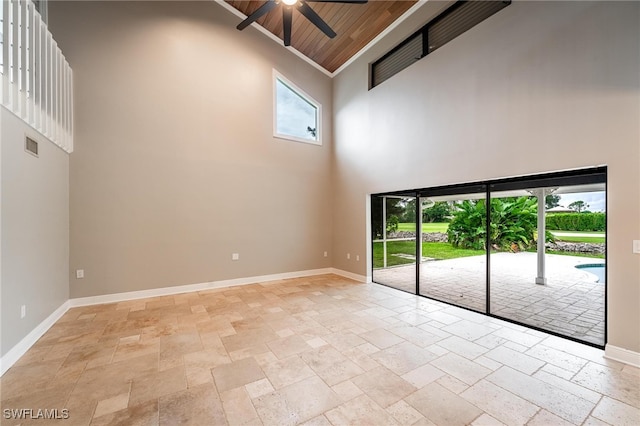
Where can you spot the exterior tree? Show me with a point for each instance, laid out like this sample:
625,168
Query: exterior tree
552,201
395,207
439,212
578,206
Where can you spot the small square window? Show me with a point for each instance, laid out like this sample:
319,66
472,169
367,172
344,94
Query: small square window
297,116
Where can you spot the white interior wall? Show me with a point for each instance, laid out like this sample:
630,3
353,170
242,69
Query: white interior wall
538,87
35,230
175,166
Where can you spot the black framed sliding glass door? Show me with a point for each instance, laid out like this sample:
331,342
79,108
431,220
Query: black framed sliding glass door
547,260
530,249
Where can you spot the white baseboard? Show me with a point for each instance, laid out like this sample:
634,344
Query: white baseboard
166,291
14,354
347,274
10,358
622,355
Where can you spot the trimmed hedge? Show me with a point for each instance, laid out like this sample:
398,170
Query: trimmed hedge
589,222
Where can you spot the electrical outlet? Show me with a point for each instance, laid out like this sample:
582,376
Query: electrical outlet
235,256
79,273
23,311
357,258
348,256
325,254
636,246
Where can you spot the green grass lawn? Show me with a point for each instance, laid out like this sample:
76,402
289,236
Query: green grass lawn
568,253
578,239
438,251
426,227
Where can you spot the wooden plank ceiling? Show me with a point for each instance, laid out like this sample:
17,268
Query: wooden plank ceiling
355,24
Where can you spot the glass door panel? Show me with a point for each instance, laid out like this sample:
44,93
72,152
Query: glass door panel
547,258
454,261
394,241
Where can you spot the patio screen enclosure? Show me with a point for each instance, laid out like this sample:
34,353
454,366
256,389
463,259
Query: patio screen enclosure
493,247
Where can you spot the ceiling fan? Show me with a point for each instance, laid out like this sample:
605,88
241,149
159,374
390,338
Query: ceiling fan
287,15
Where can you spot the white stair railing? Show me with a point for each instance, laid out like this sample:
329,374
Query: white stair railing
37,81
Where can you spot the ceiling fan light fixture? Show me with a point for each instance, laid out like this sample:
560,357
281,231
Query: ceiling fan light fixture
287,15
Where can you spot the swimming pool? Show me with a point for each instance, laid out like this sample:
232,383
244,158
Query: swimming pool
597,269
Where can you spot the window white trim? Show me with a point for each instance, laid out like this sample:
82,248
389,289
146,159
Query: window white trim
278,76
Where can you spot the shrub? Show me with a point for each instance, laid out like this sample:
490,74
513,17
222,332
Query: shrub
513,224
590,222
468,227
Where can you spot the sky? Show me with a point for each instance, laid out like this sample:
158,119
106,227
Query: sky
294,113
595,200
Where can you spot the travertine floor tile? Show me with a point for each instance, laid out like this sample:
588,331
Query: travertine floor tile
287,371
284,348
422,376
461,368
487,420
555,400
360,411
238,373
347,390
296,403
616,412
309,351
383,386
404,413
238,407
259,388
196,406
462,347
403,357
499,403
155,385
611,382
143,414
520,362
443,407
111,405
331,365
381,338
545,418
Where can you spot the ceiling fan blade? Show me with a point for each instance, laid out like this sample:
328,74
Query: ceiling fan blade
262,10
315,19
340,1
287,14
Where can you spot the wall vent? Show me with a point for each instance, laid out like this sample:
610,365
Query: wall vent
31,146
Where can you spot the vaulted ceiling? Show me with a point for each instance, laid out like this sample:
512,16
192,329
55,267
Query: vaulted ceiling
355,24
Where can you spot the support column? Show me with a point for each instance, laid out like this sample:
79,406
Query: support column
384,232
419,229
542,230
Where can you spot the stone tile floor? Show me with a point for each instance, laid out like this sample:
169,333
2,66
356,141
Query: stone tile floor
571,303
320,350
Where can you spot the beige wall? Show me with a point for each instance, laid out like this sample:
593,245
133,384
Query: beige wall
539,87
175,166
35,230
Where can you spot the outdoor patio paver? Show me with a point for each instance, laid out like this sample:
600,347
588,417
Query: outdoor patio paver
571,303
